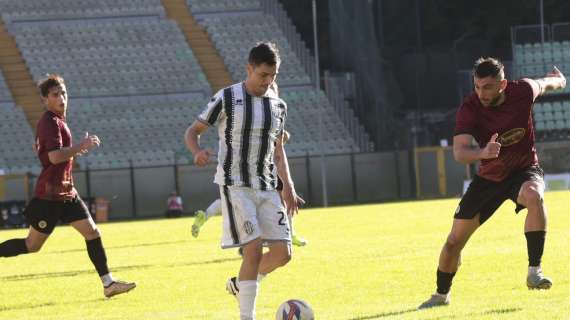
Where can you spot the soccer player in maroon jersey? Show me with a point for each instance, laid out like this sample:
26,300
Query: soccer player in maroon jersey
55,198
498,117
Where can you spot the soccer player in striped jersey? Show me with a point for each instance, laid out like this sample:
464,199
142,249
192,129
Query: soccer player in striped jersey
250,120
215,209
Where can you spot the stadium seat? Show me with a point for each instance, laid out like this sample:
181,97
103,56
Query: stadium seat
559,124
547,107
548,116
538,116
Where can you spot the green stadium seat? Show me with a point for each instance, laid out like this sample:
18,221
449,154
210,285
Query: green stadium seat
547,107
538,116
548,116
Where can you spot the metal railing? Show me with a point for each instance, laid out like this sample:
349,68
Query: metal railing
274,8
341,92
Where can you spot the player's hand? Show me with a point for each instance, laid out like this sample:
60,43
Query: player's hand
89,143
300,201
492,149
203,157
555,73
290,198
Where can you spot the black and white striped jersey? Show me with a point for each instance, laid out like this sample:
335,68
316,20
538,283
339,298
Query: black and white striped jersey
248,127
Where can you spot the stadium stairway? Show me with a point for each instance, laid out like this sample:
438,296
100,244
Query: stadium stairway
18,78
205,52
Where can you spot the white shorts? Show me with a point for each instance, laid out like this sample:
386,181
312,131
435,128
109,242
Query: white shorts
248,214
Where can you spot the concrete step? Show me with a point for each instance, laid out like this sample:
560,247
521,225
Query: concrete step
200,42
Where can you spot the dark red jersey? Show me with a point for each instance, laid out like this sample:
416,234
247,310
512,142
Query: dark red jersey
55,181
512,120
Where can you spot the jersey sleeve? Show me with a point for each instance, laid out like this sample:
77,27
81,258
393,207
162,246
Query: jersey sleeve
531,88
214,111
283,117
465,120
49,135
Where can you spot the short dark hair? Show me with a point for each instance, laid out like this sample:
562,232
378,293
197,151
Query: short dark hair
488,67
264,52
52,80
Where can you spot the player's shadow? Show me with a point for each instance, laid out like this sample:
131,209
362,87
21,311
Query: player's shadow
492,313
502,311
385,314
151,244
47,304
26,306
73,273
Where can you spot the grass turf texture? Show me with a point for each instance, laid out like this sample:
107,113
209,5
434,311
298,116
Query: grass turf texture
362,262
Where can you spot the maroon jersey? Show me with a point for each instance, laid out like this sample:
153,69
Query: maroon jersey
55,181
511,120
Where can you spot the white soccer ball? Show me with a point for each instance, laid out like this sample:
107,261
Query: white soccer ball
295,310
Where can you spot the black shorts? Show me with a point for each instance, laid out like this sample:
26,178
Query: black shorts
44,215
485,196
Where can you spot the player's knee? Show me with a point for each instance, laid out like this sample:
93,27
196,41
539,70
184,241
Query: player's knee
285,257
453,245
253,256
33,246
531,196
252,252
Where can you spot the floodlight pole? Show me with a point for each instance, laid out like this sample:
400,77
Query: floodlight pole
320,115
542,21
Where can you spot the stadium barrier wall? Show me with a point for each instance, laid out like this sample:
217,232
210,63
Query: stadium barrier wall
351,178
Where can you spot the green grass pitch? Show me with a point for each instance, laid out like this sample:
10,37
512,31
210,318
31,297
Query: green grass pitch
362,262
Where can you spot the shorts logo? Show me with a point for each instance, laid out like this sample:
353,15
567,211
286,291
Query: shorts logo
42,224
511,137
248,227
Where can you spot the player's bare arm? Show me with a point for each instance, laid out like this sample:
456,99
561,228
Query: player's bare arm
288,193
553,80
300,201
465,152
192,140
88,143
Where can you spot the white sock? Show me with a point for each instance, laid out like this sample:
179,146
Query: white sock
215,209
107,279
260,277
247,295
534,270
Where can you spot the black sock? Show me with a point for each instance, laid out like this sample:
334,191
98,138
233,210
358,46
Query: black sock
97,255
13,247
444,280
535,246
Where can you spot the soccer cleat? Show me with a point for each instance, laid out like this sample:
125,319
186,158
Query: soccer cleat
297,241
232,287
538,281
436,300
118,287
198,222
